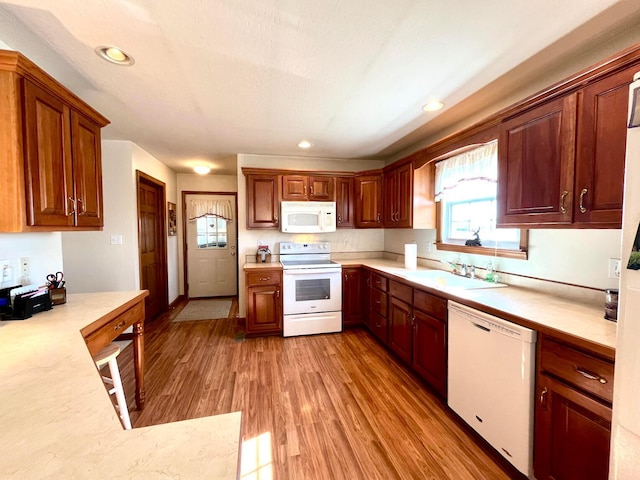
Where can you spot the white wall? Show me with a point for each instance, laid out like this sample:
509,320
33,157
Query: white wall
43,250
91,263
578,257
348,240
198,183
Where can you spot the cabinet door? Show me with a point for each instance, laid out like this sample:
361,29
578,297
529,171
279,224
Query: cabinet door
264,310
344,202
351,309
369,201
404,196
295,187
572,434
390,195
602,135
322,188
536,153
87,171
48,159
430,350
400,328
262,201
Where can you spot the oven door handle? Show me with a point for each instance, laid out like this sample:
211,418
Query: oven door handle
312,271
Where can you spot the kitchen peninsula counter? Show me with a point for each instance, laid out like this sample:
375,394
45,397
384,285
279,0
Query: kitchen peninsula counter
58,420
579,323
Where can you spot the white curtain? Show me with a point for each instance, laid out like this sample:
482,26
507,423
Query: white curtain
218,208
480,163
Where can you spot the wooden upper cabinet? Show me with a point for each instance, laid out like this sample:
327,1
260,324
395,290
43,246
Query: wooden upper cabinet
368,204
398,197
600,156
536,152
303,187
263,201
51,162
345,202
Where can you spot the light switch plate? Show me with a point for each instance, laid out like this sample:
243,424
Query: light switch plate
614,268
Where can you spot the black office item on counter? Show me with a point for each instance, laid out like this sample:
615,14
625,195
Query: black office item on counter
26,304
5,301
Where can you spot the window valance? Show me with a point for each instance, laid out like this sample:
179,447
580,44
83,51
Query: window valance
480,163
219,208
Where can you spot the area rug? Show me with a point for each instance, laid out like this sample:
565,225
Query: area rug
204,310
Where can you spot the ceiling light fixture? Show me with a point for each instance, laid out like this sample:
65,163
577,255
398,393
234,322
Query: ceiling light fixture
304,144
115,55
433,106
201,169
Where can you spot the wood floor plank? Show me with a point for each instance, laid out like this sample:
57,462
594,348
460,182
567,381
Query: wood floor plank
336,406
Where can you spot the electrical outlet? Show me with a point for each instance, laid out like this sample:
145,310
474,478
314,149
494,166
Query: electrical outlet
7,272
24,267
614,268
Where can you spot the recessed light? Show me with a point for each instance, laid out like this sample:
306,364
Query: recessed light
433,106
201,169
115,55
304,144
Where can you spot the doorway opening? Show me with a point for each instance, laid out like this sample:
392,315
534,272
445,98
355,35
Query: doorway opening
210,232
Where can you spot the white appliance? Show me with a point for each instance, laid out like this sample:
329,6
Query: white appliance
491,381
625,461
312,289
308,217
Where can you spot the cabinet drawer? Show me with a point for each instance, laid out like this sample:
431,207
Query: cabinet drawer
265,277
578,368
434,306
379,282
379,302
378,326
401,291
104,335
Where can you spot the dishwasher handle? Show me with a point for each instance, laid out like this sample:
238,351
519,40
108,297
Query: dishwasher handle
481,327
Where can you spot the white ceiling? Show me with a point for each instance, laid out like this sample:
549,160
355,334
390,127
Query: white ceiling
215,78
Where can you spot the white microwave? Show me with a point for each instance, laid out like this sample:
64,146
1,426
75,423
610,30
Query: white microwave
307,217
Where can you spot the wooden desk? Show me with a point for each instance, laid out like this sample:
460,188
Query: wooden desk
103,331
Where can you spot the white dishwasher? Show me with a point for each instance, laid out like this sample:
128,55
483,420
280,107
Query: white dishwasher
491,381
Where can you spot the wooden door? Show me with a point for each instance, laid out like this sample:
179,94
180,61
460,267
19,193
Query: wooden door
351,303
368,201
404,196
602,137
572,434
344,202
264,310
400,328
322,188
87,171
152,244
295,187
263,201
536,153
212,264
430,350
47,137
390,194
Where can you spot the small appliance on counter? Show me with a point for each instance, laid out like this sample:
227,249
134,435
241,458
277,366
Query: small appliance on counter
263,255
611,305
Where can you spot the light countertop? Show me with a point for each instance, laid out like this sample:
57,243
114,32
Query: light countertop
262,266
57,420
580,323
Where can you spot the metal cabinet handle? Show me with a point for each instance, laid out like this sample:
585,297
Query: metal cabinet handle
311,189
265,279
84,206
275,218
278,293
120,325
590,375
582,194
563,209
378,218
543,397
73,206
339,219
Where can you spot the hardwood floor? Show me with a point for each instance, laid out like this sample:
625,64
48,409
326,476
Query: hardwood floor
335,406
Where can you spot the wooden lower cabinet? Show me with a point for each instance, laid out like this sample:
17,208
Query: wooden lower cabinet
572,413
430,350
351,303
264,303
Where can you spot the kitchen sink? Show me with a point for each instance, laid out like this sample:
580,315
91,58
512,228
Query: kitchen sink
441,278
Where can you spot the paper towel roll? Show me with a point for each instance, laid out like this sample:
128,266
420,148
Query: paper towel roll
410,256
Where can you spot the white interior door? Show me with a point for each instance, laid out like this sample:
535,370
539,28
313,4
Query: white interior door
212,264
